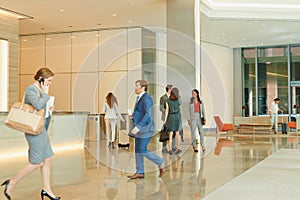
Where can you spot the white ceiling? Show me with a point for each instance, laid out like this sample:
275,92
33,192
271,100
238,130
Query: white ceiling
232,23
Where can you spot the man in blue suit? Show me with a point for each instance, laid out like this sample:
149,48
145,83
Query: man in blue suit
142,130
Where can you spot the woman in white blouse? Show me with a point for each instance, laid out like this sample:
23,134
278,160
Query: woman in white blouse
110,108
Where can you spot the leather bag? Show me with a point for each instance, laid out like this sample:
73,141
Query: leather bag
25,118
163,134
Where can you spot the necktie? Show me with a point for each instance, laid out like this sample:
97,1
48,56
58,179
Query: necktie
137,100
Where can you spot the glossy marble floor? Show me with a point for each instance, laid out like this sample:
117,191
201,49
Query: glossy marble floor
97,172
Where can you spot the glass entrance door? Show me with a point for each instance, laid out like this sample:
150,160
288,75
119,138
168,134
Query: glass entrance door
296,100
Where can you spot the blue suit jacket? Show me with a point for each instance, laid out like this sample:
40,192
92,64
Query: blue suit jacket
143,117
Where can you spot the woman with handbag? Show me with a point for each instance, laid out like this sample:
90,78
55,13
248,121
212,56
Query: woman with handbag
196,119
40,150
173,119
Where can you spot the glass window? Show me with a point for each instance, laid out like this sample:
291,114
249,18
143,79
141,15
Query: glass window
272,78
295,76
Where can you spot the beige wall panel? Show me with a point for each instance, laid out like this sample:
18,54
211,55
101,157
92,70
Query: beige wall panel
32,53
134,49
25,81
85,51
61,89
119,63
85,92
112,49
122,85
58,52
135,60
31,60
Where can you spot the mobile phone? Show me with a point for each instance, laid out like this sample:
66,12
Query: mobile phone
41,80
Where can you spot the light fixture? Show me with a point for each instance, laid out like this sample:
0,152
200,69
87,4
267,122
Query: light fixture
5,11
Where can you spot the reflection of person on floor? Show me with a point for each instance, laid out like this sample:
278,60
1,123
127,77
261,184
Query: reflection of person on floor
197,183
176,175
111,184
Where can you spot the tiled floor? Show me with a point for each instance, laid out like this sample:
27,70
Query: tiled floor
97,172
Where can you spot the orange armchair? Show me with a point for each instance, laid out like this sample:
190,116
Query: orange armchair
292,125
221,127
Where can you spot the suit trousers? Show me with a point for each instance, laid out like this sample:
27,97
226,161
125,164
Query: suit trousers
141,151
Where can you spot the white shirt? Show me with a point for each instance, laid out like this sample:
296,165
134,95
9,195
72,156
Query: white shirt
274,108
140,95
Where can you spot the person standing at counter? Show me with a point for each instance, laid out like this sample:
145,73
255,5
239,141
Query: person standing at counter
110,108
40,150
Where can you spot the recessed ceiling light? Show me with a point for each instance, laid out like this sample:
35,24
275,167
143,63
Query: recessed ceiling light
24,40
114,14
48,38
223,34
129,21
244,39
61,10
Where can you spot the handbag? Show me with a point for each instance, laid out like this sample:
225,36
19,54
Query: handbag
163,134
202,120
25,118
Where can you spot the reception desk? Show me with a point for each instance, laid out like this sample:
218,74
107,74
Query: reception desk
66,131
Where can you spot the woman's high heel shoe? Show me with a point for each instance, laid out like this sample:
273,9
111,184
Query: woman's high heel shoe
6,183
44,193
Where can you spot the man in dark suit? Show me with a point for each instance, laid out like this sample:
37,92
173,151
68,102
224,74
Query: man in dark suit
142,130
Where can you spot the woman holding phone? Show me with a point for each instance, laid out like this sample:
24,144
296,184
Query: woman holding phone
40,151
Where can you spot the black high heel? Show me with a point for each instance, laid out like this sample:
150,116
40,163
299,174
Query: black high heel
44,193
6,183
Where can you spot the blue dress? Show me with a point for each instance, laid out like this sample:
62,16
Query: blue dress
39,145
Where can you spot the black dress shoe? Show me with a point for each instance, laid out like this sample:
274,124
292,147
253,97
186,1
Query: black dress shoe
44,193
136,176
6,183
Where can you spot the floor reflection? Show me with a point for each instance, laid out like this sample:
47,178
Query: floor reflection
98,172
